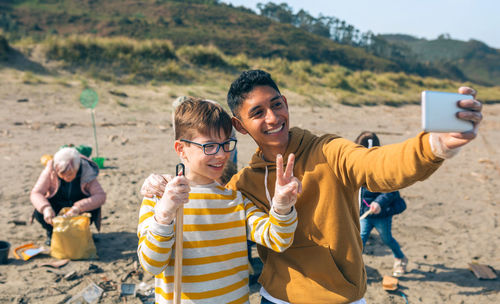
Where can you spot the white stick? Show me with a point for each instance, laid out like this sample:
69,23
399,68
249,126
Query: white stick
367,213
178,255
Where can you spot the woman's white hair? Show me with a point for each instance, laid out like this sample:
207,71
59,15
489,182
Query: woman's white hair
66,158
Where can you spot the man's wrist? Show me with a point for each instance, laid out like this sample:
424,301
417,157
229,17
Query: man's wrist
439,149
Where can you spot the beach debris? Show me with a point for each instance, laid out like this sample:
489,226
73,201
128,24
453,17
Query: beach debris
128,290
6,133
93,268
20,300
71,275
90,294
60,125
479,177
55,263
4,252
118,93
107,284
34,126
482,271
23,100
45,159
145,289
27,251
389,283
485,161
135,272
17,222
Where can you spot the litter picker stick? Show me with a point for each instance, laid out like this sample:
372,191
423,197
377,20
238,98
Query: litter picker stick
367,213
95,135
178,245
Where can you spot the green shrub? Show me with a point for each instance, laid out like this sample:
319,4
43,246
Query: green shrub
362,80
115,59
4,48
239,62
30,78
200,55
86,49
339,82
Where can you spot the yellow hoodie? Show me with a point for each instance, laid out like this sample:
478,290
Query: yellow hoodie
324,263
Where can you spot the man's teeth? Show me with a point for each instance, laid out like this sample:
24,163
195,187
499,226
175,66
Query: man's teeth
218,166
275,130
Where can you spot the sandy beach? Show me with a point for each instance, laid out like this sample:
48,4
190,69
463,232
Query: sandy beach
452,218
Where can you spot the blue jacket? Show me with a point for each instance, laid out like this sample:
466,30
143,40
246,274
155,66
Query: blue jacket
385,200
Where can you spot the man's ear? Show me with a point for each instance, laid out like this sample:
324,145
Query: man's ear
238,125
284,100
179,148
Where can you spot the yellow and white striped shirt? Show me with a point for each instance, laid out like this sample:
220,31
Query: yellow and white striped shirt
217,223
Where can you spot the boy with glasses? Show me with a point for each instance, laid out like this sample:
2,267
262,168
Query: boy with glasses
324,263
217,221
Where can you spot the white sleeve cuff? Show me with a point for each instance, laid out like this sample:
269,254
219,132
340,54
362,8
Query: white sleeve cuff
283,217
161,229
439,149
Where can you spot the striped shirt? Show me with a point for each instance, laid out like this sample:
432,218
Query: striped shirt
217,224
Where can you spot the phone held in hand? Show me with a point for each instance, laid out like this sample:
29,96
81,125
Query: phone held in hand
439,112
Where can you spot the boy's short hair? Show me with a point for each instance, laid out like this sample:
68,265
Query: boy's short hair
364,138
244,84
202,116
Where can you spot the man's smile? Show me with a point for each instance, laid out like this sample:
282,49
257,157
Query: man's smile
276,130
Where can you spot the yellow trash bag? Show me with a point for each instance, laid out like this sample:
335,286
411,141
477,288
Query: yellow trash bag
71,237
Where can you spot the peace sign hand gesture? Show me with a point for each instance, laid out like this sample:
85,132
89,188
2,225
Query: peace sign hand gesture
287,187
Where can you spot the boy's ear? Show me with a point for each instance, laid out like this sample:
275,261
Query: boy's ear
179,148
238,125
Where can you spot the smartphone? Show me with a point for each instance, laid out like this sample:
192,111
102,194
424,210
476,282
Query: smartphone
439,112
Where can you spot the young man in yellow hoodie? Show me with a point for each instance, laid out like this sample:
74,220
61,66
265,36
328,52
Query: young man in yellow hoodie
324,263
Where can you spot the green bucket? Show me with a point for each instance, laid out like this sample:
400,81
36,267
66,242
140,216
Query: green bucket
99,161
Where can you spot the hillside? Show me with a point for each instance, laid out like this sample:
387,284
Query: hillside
230,29
209,43
475,59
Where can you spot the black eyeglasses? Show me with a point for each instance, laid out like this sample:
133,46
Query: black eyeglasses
212,148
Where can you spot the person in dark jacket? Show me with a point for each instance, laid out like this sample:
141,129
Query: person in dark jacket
381,207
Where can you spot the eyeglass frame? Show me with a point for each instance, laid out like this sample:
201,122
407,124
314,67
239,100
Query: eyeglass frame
219,145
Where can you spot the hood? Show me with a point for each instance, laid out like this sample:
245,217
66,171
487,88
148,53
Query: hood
299,140
90,170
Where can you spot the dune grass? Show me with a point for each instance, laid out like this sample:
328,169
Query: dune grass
157,62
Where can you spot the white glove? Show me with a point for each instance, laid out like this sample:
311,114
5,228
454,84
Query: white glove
48,214
176,194
154,185
287,186
73,211
375,208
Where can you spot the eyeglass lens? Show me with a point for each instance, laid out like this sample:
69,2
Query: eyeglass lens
213,148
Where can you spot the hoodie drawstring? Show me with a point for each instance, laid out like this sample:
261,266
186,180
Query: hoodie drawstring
267,190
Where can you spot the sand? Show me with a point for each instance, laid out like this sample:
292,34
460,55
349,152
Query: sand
452,218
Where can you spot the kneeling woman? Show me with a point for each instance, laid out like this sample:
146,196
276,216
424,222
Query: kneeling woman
70,180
